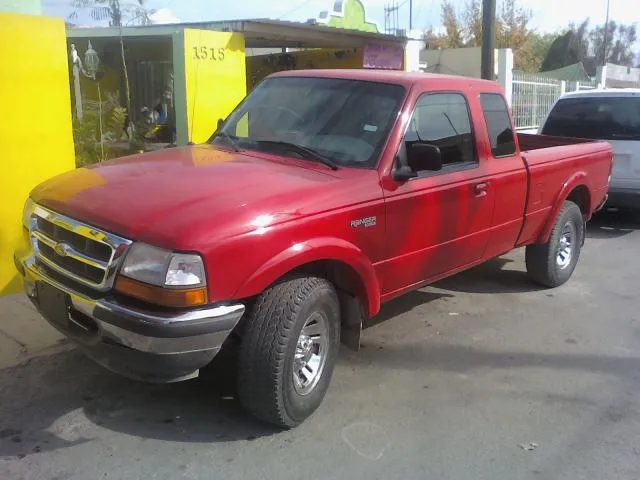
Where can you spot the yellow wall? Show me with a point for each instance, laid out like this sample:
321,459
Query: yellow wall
35,139
215,79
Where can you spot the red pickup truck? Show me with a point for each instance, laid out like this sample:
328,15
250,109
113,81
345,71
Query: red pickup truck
322,196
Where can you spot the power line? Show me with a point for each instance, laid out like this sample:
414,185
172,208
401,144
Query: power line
304,3
391,15
429,11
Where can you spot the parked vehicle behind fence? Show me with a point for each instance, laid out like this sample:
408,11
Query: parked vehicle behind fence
612,115
322,196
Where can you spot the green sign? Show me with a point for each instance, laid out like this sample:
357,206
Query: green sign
349,14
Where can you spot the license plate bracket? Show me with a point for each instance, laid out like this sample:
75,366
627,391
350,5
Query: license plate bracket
54,304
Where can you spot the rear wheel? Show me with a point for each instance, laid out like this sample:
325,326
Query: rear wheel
551,264
288,350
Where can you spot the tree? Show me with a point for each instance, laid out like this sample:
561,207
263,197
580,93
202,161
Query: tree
513,26
464,28
616,45
535,50
453,36
116,12
472,16
568,48
575,44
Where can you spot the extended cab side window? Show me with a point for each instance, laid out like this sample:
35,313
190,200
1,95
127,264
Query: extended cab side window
496,116
442,120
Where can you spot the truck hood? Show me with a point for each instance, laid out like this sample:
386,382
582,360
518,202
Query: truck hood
184,198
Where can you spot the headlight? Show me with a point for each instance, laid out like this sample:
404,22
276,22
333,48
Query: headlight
164,278
26,213
185,270
163,268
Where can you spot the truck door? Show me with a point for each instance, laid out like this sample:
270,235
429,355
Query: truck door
508,174
440,220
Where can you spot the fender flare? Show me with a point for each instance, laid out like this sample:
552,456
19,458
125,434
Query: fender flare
317,249
576,180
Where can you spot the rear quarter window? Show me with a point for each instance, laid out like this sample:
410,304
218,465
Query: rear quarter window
496,116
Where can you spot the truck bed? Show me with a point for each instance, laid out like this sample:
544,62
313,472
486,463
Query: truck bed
547,160
529,141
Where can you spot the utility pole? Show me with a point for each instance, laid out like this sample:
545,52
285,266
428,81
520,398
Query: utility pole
488,29
604,38
410,15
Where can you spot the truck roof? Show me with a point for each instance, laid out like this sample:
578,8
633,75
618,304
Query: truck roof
435,80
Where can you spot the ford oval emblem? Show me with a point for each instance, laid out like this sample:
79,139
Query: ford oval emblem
61,249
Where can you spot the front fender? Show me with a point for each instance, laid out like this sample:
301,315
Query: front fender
314,250
576,180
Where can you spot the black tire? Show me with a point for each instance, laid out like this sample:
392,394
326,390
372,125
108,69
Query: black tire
544,263
266,358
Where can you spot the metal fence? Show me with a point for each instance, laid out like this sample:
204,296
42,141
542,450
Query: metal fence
579,86
532,97
150,81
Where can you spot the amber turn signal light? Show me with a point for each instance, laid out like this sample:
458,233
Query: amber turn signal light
165,297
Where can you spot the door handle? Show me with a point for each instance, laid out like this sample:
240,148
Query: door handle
480,189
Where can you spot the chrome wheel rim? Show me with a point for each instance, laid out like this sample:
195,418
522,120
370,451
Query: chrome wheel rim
311,353
565,246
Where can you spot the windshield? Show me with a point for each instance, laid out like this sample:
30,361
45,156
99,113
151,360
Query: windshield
604,118
343,122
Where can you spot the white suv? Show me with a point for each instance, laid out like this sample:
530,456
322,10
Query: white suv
612,115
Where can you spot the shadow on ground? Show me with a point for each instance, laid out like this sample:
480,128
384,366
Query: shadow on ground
38,393
45,391
490,277
466,359
45,399
613,224
405,304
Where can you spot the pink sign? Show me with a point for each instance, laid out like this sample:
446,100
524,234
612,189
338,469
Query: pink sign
386,57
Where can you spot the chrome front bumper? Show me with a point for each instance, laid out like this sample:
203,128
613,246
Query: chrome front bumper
154,346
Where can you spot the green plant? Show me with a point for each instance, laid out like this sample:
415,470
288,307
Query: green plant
86,141
101,126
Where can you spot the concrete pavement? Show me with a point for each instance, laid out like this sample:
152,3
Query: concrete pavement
482,376
23,334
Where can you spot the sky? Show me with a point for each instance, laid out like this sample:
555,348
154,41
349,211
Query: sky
548,15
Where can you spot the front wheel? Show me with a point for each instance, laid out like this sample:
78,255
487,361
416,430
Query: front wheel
551,264
288,351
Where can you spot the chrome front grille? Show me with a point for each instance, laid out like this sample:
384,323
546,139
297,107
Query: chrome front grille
83,253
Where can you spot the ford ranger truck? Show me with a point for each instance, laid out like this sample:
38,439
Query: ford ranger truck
322,196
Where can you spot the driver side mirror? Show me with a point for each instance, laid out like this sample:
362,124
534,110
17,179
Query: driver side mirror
420,157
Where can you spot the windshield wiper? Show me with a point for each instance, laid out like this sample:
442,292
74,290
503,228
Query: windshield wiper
231,140
305,151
